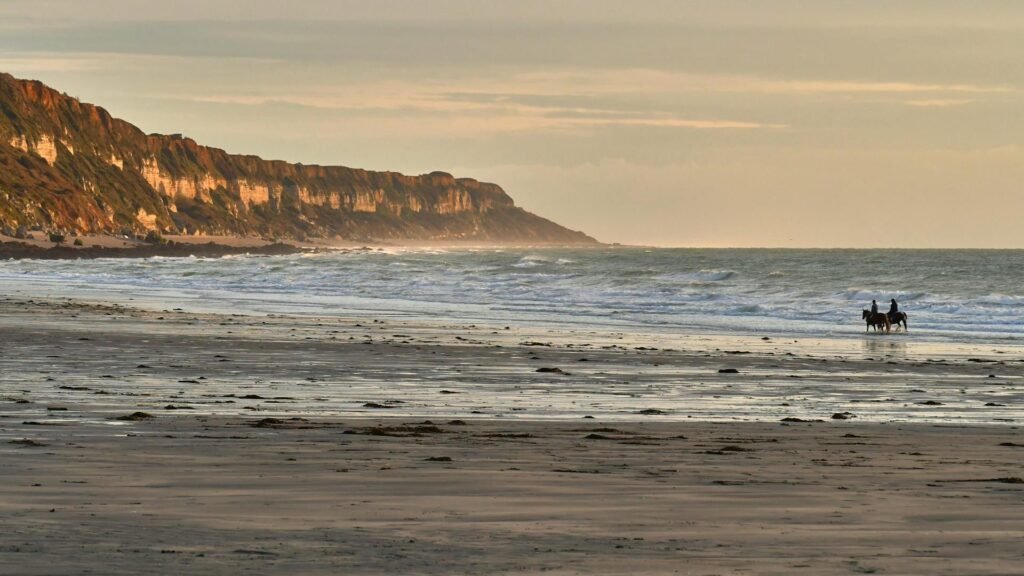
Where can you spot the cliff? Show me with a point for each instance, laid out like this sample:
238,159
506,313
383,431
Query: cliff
66,165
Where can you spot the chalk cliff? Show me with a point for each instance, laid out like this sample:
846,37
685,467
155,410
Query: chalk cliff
68,165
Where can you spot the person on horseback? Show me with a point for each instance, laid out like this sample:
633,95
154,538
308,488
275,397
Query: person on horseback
894,311
874,307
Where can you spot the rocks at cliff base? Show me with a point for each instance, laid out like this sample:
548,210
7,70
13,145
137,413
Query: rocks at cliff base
386,405
794,419
135,417
20,250
28,442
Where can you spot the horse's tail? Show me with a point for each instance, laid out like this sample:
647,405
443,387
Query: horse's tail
905,325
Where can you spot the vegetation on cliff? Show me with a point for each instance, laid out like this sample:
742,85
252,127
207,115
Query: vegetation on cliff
70,166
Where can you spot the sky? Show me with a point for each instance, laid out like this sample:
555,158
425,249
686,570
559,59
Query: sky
783,123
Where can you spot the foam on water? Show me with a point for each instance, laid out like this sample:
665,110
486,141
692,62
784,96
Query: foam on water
951,295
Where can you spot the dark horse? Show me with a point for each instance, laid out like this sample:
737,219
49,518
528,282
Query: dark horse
897,319
876,319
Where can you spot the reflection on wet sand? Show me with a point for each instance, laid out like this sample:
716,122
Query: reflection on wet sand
885,346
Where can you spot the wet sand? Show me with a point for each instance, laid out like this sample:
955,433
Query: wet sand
282,445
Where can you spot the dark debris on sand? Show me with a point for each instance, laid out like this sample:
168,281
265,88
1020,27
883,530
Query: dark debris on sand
552,371
135,417
278,423
401,431
28,442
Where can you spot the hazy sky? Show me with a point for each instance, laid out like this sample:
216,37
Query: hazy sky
698,123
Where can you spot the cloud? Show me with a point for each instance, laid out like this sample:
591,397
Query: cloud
34,64
574,98
473,108
670,123
641,79
854,87
455,116
34,61
939,102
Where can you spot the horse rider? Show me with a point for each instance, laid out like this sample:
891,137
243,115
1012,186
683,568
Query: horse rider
874,308
894,310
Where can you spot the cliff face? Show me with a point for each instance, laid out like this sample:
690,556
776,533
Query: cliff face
70,166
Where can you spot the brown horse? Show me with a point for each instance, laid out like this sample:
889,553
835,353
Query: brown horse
876,319
899,318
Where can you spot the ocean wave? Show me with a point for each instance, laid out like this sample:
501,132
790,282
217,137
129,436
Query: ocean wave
797,293
531,261
699,276
860,294
1001,300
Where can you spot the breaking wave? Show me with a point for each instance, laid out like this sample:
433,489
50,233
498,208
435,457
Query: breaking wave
747,291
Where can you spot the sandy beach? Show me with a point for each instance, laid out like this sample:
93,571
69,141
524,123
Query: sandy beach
475,287
156,442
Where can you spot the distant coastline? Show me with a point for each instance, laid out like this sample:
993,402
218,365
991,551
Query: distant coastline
70,167
107,246
22,250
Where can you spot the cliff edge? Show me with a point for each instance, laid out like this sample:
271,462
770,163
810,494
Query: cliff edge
69,166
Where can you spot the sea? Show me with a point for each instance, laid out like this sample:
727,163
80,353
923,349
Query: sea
948,295
963,306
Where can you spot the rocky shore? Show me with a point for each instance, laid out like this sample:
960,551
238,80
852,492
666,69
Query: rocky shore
19,250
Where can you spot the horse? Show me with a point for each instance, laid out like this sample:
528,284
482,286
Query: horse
897,319
876,319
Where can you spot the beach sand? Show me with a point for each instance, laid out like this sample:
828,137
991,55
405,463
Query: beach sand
271,445
41,240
